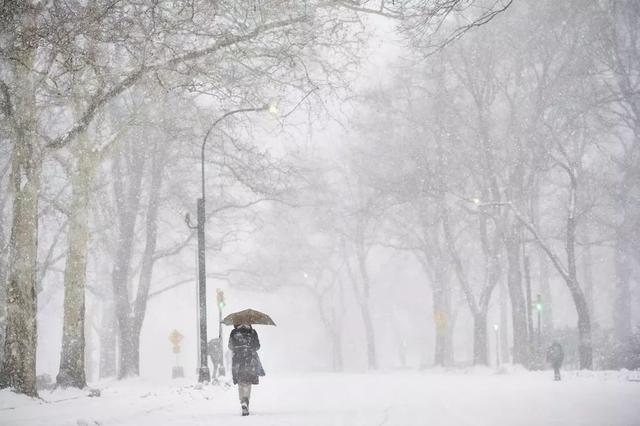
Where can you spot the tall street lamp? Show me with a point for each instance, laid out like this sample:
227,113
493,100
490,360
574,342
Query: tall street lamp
203,370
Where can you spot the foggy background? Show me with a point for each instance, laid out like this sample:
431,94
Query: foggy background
333,199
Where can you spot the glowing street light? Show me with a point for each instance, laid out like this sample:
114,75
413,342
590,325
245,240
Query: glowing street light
273,109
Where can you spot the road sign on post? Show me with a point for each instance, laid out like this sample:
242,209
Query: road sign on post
441,321
176,338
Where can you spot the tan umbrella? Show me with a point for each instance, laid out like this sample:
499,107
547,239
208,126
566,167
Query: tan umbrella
248,316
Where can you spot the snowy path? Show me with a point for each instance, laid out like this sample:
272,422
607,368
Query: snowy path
432,398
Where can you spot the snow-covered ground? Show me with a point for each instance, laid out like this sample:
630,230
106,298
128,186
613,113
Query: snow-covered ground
436,398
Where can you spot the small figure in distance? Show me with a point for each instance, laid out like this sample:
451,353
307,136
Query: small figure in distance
245,363
215,353
555,356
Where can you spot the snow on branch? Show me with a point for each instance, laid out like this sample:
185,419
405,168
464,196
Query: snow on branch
557,263
102,98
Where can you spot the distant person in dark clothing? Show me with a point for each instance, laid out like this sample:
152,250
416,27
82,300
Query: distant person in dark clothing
245,363
555,355
215,353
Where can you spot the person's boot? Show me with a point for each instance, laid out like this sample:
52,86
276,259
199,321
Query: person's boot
245,406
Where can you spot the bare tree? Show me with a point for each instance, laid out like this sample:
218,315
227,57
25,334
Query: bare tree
619,50
34,61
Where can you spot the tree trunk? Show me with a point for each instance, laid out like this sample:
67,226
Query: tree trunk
19,363
71,371
516,295
570,276
124,319
120,276
108,335
72,357
587,265
543,267
585,347
3,270
336,329
400,344
148,259
123,315
478,309
364,303
128,365
531,332
89,347
505,354
336,350
435,268
443,351
622,306
480,348
369,335
545,290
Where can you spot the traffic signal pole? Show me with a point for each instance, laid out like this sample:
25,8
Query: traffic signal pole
220,323
221,303
220,299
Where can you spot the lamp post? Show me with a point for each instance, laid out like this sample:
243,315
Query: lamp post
203,370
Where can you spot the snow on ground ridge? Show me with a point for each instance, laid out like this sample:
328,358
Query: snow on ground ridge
471,396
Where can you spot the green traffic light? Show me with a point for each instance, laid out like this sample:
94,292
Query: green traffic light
539,306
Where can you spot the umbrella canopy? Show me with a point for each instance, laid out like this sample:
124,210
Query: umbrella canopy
248,316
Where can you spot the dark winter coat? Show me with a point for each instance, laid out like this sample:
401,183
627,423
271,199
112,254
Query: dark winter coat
214,347
245,363
555,355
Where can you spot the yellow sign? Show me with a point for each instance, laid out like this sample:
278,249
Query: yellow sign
175,338
441,320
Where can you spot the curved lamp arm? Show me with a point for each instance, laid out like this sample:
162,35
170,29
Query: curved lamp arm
265,107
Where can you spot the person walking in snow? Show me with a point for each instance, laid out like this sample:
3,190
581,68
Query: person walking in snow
245,363
214,349
555,355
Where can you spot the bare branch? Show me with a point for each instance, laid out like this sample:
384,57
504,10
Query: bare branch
101,99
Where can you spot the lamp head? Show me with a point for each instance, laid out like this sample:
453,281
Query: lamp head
273,109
